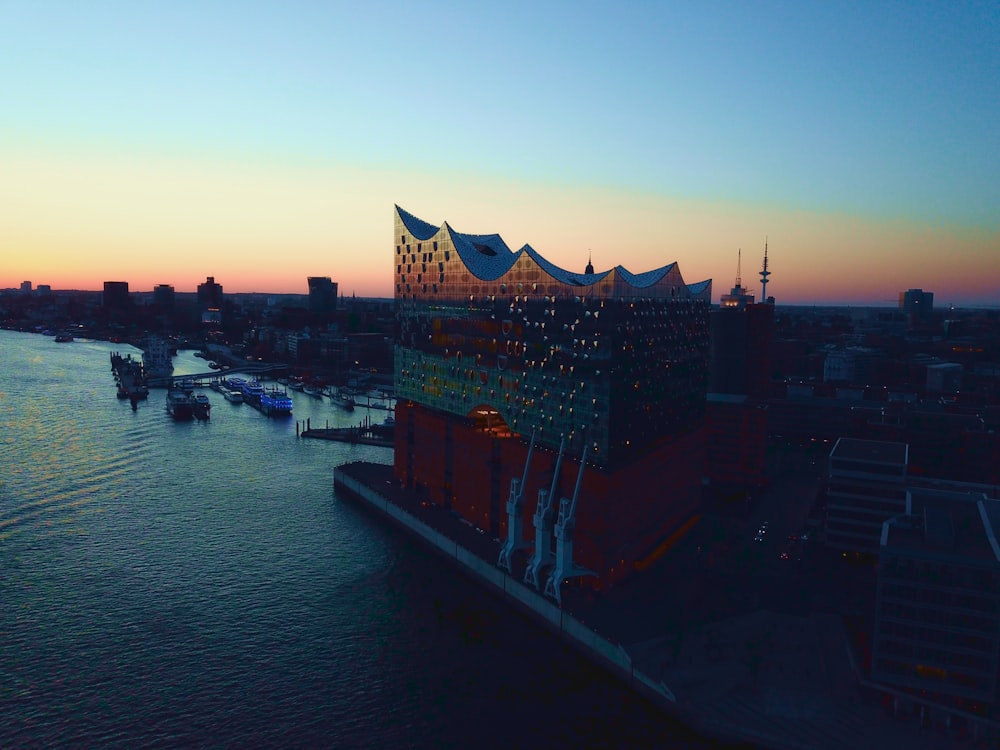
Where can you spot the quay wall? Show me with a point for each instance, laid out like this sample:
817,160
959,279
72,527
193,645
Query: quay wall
611,656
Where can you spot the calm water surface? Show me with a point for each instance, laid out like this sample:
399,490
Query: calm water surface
199,584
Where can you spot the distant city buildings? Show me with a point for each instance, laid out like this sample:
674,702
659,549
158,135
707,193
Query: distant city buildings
917,305
209,295
322,294
163,297
116,295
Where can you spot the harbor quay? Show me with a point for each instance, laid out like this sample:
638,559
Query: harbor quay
761,677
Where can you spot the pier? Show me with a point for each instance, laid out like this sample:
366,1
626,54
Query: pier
200,377
364,434
130,378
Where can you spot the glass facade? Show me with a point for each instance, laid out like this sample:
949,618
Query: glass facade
617,360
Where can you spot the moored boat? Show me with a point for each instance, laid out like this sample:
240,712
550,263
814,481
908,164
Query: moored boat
179,405
275,403
201,405
343,401
252,391
233,397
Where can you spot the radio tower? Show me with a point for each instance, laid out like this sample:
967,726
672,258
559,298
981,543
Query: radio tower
764,273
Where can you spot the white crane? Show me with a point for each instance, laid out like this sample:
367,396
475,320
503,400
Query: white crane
515,523
543,528
565,526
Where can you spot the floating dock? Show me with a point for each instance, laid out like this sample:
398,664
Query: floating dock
364,434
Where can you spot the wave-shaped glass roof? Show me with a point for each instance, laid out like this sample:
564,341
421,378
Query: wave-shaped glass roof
488,257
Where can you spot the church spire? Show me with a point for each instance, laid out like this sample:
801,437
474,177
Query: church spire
590,266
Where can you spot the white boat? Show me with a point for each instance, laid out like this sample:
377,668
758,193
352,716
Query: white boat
233,397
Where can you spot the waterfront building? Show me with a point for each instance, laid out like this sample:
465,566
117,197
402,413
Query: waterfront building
499,351
937,626
866,486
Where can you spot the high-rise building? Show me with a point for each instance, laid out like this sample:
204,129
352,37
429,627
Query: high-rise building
501,351
163,297
322,294
937,627
739,380
25,287
917,304
209,295
116,296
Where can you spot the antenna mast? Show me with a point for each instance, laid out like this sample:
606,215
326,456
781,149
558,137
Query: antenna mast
764,273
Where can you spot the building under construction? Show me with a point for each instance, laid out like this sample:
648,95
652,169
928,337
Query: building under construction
560,413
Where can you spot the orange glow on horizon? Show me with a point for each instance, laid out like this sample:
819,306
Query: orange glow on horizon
75,223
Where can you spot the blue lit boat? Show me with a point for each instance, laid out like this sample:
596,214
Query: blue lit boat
275,403
253,391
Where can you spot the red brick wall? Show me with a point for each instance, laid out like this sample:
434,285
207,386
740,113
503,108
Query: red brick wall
621,516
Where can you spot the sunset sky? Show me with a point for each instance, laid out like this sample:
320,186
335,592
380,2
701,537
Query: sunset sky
261,143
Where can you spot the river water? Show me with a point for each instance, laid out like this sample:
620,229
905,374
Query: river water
199,584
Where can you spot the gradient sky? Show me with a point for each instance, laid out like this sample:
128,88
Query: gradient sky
261,143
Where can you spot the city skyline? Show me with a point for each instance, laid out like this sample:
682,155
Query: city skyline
860,143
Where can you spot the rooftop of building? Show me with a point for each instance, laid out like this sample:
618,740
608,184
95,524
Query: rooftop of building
871,451
955,525
488,257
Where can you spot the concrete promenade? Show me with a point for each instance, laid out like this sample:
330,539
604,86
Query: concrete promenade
734,673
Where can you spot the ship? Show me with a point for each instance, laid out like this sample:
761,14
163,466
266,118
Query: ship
275,403
180,405
252,391
156,362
